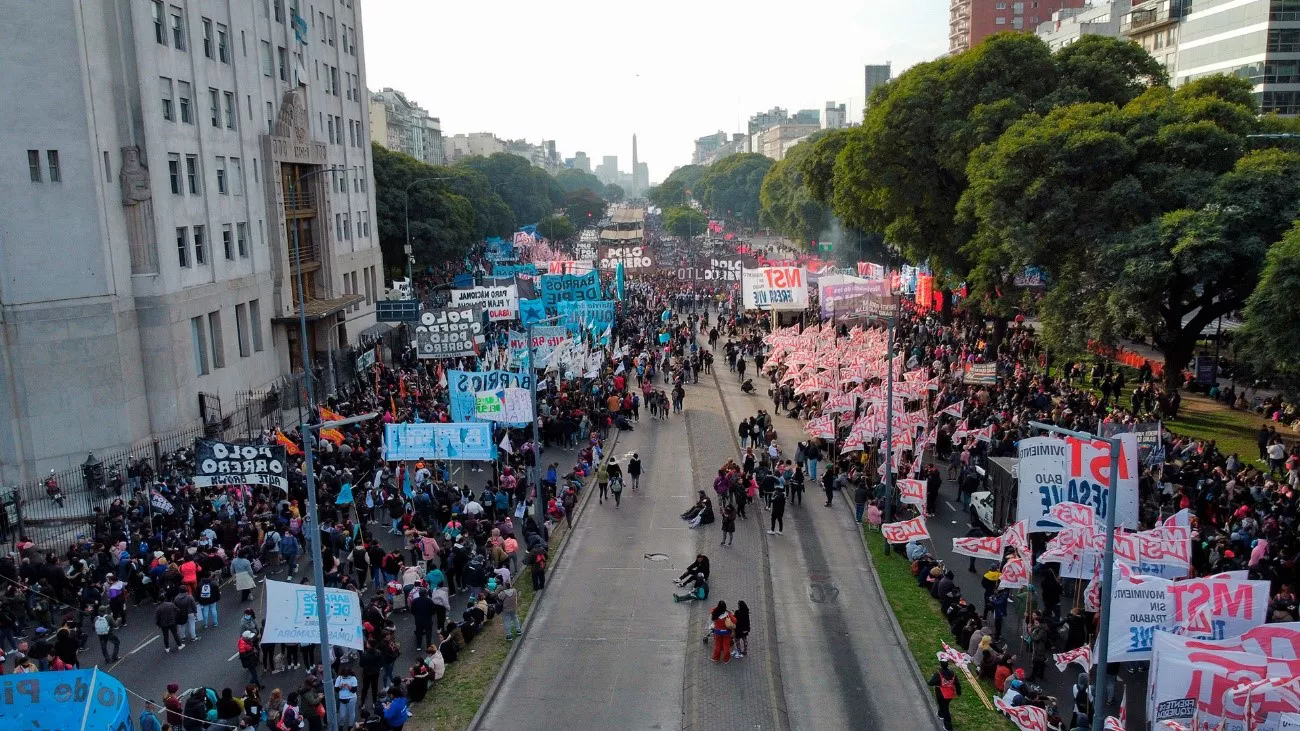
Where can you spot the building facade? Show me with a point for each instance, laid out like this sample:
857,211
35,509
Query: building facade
1154,25
148,253
402,125
877,75
607,170
971,21
581,161
770,118
458,147
835,116
1068,25
774,141
807,116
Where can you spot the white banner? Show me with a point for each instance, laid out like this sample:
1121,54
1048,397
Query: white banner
1139,607
1053,471
1210,608
905,531
912,492
501,303
509,405
775,288
1189,678
291,615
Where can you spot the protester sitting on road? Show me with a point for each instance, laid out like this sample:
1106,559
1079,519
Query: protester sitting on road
699,566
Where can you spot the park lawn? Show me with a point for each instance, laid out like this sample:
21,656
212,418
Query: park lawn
1232,430
925,628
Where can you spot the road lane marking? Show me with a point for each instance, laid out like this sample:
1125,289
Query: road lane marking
143,645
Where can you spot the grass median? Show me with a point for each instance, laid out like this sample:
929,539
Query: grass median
925,628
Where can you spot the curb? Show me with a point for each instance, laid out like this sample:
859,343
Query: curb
495,688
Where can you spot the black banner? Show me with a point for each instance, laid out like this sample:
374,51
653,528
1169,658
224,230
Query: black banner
222,463
715,268
449,332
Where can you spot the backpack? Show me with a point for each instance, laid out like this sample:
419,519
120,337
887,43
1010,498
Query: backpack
948,687
102,627
205,590
289,545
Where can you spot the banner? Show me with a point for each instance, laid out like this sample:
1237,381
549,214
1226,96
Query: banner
714,268
464,386
508,405
65,699
531,311
912,492
871,271
545,340
1190,678
989,547
558,288
501,303
635,259
455,441
1053,470
291,615
1026,718
905,531
1213,608
775,288
161,503
449,332
1151,446
568,267
586,316
497,249
1139,608
511,270
222,463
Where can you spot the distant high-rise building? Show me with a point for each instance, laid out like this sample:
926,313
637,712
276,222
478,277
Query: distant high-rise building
835,116
607,170
971,21
640,173
402,125
807,116
581,162
877,75
770,118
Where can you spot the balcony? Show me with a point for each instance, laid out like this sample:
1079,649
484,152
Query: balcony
299,204
1146,20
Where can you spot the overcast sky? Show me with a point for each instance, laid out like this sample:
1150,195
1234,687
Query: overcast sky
589,74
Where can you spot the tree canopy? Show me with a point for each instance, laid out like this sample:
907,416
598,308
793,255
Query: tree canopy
584,208
529,191
787,205
730,187
668,194
685,222
556,228
572,179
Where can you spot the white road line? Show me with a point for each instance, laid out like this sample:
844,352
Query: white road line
232,657
143,645
950,505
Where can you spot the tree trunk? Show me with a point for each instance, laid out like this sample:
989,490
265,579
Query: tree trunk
1177,354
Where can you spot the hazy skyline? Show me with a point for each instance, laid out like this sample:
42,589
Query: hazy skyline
590,74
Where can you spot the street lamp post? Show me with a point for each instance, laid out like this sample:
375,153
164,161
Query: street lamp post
539,505
312,527
1107,567
406,209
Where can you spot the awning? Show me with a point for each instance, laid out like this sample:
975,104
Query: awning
627,215
614,235
318,309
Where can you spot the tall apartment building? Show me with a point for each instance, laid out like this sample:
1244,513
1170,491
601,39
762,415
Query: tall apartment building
807,116
607,170
1154,25
402,125
773,142
971,21
877,75
154,170
835,116
461,146
581,161
770,118
1065,26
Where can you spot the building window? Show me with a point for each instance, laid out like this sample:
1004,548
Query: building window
241,239
178,28
184,88
338,226
223,44
334,80
200,346
52,157
330,127
159,29
347,227
255,324
284,62
1001,6
358,228
1284,10
241,329
366,281
218,344
268,63
270,118
279,10
34,165
1000,21
221,175
236,177
200,252
192,173
168,113
207,37
1018,23
174,171
255,180
108,168
228,242
182,247
231,111
373,286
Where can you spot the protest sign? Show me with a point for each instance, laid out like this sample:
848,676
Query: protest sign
1139,608
1211,608
545,340
1014,574
1151,447
714,268
510,270
635,259
1081,655
568,267
1189,678
222,463
911,492
463,386
775,288
905,531
586,316
508,405
291,615
64,699
1055,471
557,288
1026,718
455,441
449,332
501,302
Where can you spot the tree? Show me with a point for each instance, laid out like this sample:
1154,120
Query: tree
1267,341
1152,219
572,179
731,186
668,194
686,177
529,191
685,223
904,170
556,228
787,205
613,193
584,208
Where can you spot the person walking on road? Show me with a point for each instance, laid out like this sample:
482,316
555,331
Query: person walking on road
602,481
741,643
778,510
728,525
245,581
209,596
946,687
828,485
615,481
166,618
860,496
634,470
106,630
724,623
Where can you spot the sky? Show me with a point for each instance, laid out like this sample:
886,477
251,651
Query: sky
589,74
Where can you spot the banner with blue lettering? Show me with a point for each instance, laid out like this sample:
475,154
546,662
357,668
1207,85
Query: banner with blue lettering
65,699
531,311
463,385
498,249
558,288
592,317
458,441
1053,470
510,270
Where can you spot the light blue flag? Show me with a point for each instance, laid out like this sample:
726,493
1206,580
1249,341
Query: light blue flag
619,282
406,482
345,495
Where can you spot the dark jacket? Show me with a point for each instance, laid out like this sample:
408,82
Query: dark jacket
166,615
422,610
